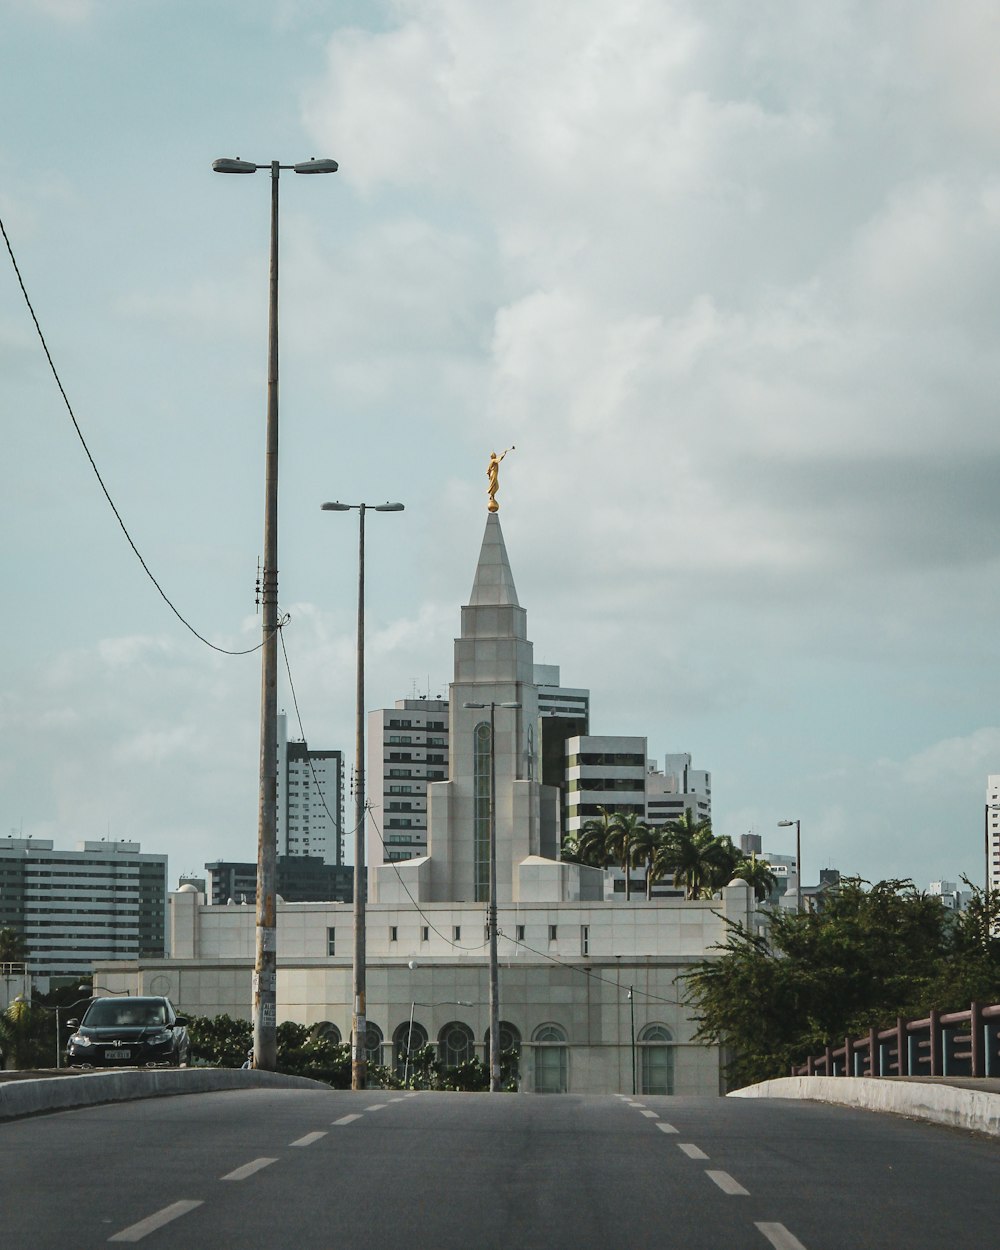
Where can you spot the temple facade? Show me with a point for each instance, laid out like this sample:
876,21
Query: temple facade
591,987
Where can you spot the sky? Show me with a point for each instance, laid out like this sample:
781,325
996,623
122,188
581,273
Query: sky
726,277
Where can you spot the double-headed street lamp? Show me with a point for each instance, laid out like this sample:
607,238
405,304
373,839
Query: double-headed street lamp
492,912
265,1002
787,824
359,1022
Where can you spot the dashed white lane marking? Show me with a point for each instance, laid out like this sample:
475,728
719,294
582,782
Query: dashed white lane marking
664,1127
308,1139
136,1232
247,1169
726,1183
347,1119
401,1099
378,1106
779,1237
691,1150
630,1103
651,1115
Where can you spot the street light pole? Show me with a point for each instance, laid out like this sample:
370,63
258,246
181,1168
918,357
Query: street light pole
265,975
491,915
359,1022
786,824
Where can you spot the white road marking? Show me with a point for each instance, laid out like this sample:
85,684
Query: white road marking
378,1106
665,1127
247,1169
726,1183
136,1232
308,1139
779,1237
401,1099
691,1150
649,1114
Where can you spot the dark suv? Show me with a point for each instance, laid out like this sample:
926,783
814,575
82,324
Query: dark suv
129,1032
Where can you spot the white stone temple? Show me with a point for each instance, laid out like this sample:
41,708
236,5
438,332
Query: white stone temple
591,988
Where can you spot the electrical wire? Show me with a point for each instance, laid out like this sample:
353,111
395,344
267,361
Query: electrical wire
107,494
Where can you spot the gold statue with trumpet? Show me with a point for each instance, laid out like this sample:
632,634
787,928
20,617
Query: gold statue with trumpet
493,475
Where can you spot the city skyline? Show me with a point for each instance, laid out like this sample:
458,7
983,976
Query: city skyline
723,277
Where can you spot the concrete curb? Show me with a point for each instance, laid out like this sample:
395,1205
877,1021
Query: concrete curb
957,1107
35,1097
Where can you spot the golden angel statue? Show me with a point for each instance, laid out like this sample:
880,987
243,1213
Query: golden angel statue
493,475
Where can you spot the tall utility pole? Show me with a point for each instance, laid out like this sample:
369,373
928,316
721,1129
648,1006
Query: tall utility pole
491,912
265,975
359,1020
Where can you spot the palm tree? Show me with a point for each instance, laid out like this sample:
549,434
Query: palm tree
758,875
592,841
624,830
645,842
689,851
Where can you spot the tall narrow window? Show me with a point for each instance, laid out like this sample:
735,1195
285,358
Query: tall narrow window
481,809
331,941
585,939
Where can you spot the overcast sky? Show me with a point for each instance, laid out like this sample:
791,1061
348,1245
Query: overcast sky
726,274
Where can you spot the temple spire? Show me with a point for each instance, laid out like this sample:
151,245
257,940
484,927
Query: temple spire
494,582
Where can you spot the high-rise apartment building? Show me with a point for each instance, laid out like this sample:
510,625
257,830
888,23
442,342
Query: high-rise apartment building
603,771
407,748
310,800
993,831
105,900
678,788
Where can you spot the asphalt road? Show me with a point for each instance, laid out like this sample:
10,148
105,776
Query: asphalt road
379,1170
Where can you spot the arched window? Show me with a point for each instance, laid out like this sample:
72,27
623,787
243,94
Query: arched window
456,1044
656,1048
406,1043
510,1045
551,1059
327,1031
373,1043
482,745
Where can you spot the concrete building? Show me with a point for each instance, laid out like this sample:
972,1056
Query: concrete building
576,969
103,900
679,788
993,831
407,749
298,879
604,771
310,799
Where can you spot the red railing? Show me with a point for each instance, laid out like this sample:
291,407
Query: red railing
956,1043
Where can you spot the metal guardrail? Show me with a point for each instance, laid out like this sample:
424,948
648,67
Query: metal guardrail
957,1043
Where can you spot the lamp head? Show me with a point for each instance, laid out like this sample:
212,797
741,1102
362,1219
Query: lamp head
316,167
227,165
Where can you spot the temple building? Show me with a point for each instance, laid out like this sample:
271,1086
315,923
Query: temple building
591,984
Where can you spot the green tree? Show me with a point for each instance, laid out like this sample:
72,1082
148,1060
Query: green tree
689,854
873,953
12,947
758,875
26,1036
625,829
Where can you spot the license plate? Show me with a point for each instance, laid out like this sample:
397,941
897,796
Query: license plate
117,1056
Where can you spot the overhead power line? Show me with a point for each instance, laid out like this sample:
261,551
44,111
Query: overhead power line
107,494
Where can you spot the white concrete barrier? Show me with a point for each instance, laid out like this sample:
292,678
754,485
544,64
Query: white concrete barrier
954,1105
61,1093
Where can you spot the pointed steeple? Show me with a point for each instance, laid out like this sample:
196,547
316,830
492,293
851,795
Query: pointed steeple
494,582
